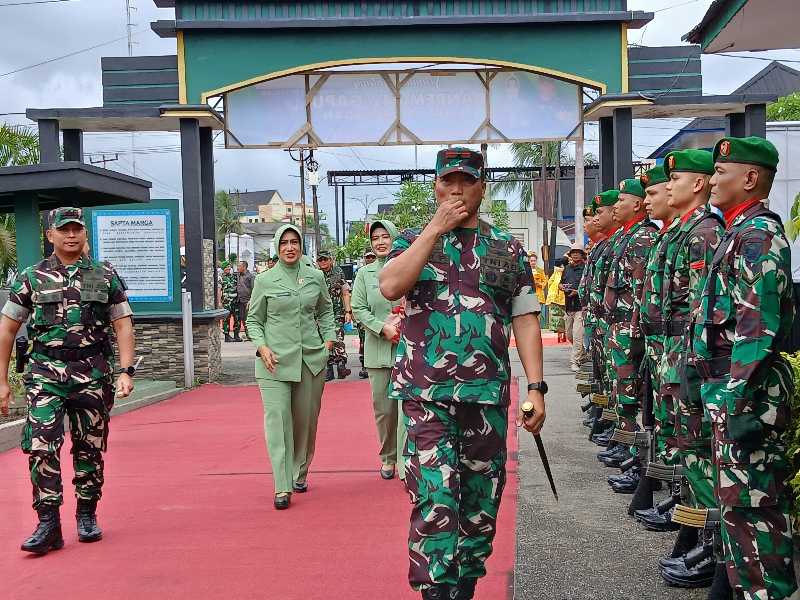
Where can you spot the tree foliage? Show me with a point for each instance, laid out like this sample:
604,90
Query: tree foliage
785,109
415,206
354,248
227,215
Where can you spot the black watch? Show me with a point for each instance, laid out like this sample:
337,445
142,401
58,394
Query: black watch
540,386
129,371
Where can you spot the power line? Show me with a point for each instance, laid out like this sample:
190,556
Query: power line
63,56
726,54
676,6
29,2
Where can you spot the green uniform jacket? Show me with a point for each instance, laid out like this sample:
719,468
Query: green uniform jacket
370,309
294,320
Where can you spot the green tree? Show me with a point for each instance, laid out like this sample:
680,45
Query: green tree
354,248
415,205
227,214
793,225
786,108
19,145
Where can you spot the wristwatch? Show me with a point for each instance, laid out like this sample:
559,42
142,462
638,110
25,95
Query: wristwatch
129,371
540,386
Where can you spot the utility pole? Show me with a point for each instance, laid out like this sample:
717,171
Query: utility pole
313,179
303,195
130,6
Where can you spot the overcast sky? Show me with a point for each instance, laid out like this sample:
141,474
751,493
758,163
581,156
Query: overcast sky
35,33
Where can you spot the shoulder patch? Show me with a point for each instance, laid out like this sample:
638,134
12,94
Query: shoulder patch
755,244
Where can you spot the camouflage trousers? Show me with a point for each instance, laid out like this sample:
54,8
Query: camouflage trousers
600,359
455,474
87,405
338,356
233,311
664,409
624,358
751,487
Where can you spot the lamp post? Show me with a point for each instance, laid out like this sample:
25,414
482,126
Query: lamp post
310,164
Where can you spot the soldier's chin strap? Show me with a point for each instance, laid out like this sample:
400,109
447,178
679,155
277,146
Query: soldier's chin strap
528,412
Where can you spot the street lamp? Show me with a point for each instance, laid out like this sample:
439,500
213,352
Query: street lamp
308,162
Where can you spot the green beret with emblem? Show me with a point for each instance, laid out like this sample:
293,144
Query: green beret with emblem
632,187
749,151
607,198
689,161
653,176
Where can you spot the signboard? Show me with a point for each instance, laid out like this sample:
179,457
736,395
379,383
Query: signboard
390,107
141,243
786,188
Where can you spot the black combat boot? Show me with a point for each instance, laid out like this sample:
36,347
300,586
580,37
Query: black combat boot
228,338
236,337
362,374
85,514
438,591
329,373
465,590
720,586
47,535
343,371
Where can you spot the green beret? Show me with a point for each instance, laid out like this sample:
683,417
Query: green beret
653,176
749,151
689,161
607,198
632,187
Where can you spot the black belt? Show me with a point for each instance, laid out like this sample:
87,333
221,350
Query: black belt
676,328
72,354
654,328
713,367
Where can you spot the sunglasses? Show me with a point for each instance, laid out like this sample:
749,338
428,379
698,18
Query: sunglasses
457,154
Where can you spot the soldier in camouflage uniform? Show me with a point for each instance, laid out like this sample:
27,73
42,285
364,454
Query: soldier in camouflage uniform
466,284
72,302
688,257
648,314
626,344
603,207
746,311
230,302
339,290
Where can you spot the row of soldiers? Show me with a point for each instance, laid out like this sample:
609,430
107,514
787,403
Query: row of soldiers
685,324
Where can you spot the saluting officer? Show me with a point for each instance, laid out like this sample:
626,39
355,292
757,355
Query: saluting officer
382,332
73,302
466,284
290,322
745,313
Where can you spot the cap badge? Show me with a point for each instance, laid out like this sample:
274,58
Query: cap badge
725,148
621,185
671,161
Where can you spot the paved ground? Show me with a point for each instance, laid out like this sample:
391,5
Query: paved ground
585,546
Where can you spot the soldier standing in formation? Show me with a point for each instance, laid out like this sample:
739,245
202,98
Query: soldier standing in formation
339,291
715,306
73,303
230,302
378,317
466,285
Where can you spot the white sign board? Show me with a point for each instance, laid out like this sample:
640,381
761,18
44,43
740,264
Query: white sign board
138,245
786,188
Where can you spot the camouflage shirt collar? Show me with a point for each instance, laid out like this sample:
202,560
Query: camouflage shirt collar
53,262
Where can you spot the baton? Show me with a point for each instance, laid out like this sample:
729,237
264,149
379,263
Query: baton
527,412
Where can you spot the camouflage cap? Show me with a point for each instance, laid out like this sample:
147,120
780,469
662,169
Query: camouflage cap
59,217
459,159
369,252
689,161
750,151
324,254
653,177
632,187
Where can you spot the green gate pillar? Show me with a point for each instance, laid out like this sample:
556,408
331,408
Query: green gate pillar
26,211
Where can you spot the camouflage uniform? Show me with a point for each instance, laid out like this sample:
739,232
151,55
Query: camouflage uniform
337,284
453,376
230,302
625,346
746,311
71,369
688,257
595,306
649,318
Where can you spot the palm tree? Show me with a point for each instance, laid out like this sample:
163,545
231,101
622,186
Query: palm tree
228,216
531,155
19,145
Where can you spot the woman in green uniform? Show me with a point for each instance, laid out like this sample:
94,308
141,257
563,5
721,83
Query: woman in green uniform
291,323
374,312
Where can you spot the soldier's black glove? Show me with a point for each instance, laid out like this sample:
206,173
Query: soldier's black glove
746,429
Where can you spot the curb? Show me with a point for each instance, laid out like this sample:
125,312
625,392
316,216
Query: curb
10,433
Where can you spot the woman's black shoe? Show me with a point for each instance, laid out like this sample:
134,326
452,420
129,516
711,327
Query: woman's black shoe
300,488
281,502
387,473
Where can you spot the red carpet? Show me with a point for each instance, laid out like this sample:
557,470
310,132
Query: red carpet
188,512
